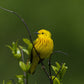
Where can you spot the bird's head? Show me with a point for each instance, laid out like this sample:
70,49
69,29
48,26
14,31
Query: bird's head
44,33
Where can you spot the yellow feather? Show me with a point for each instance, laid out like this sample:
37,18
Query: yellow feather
44,46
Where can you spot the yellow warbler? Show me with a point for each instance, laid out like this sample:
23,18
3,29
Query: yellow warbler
44,46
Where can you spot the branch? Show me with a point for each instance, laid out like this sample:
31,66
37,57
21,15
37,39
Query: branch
22,54
60,52
51,81
25,73
22,22
43,67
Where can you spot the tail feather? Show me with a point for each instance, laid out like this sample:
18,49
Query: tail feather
34,64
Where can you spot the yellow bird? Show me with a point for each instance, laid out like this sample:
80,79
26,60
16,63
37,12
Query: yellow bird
44,46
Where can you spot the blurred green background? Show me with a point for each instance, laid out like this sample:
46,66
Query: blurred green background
65,20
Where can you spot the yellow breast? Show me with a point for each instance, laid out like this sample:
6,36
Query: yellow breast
44,47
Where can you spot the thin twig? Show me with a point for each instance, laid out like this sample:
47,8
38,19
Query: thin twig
26,81
51,81
50,65
60,52
22,55
25,74
43,67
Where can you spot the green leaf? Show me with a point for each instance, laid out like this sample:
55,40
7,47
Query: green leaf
9,47
3,81
15,50
63,70
28,65
14,45
55,80
60,73
54,68
23,66
20,79
58,65
29,44
20,76
17,54
24,50
9,82
26,41
30,48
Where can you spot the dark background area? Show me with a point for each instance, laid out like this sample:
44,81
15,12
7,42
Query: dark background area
65,20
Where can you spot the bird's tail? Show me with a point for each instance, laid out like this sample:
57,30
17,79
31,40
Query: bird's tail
33,66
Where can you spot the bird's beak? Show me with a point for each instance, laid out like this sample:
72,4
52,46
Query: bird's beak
36,33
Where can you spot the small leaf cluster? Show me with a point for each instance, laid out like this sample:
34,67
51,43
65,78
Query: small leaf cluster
17,53
59,70
15,50
23,66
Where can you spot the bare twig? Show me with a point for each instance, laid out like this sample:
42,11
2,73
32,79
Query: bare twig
26,78
50,65
43,67
51,81
60,52
22,54
25,73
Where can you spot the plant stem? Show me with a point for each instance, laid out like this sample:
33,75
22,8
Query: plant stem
50,65
43,67
51,81
60,52
25,73
26,78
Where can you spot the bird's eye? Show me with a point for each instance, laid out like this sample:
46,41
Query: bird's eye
42,33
